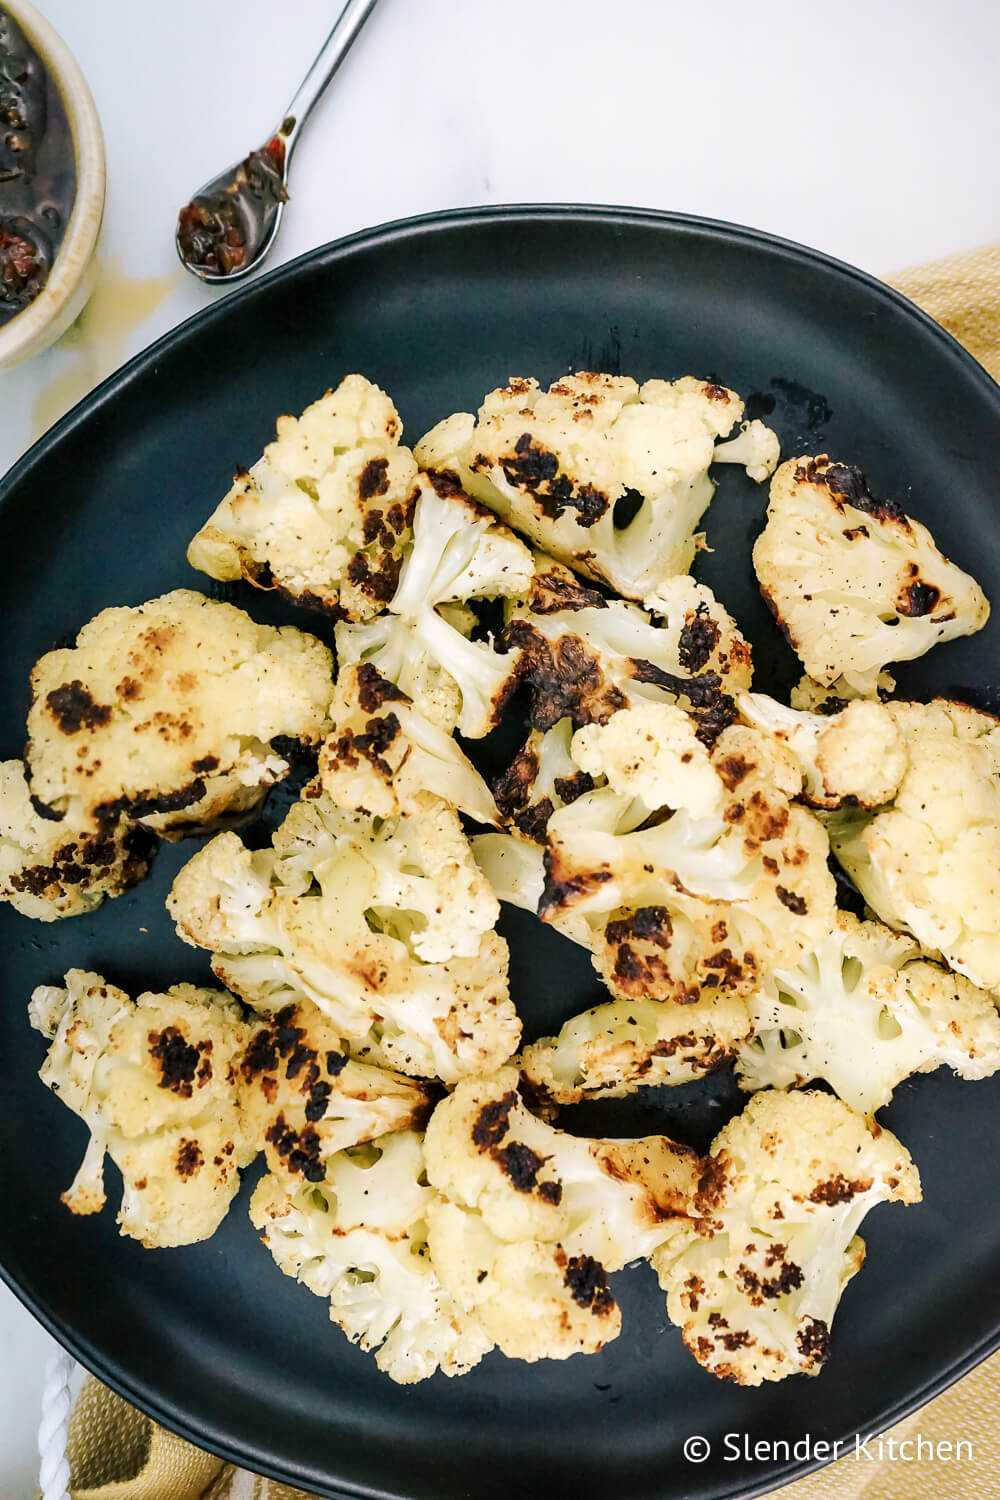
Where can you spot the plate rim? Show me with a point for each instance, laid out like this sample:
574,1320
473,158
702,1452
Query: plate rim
147,1399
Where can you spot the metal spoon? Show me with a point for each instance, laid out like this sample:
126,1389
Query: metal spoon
231,223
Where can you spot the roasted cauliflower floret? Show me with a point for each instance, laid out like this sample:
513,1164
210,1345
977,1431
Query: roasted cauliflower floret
586,657
863,1012
542,776
613,1049
535,1218
930,861
670,902
606,475
360,1240
172,714
47,870
155,1082
755,1285
735,836
531,1298
383,756
460,552
814,697
304,1098
386,925
854,757
325,515
854,582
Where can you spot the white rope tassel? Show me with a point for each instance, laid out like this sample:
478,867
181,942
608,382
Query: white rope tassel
53,1475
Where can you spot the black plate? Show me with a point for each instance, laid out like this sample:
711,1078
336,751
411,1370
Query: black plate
212,1340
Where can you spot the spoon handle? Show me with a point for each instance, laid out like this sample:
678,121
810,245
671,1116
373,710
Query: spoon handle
332,53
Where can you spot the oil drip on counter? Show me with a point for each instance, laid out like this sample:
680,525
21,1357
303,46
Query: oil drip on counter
37,171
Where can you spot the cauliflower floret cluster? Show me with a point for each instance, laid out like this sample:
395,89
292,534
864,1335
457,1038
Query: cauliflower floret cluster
155,1082
459,552
383,756
47,870
853,756
854,582
754,1284
534,1219
359,1239
586,657
662,815
385,924
689,868
161,719
605,475
863,1012
325,516
929,862
304,1098
172,713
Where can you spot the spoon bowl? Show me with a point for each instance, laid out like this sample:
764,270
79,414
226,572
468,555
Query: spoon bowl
230,224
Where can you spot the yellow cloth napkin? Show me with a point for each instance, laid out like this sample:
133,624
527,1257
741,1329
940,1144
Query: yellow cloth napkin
115,1453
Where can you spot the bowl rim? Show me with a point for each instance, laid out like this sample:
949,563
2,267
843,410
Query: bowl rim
84,225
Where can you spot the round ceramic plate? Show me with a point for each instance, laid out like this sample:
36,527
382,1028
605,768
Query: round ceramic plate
212,1340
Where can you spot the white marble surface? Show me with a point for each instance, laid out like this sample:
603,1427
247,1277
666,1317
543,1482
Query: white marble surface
867,128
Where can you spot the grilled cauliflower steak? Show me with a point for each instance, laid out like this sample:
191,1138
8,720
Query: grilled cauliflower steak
47,870
325,515
459,552
854,582
863,1012
535,1218
605,475
304,1098
382,755
172,714
155,1082
385,925
929,862
755,1284
360,1240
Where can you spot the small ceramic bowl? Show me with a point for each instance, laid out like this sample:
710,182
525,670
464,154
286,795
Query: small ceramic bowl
71,279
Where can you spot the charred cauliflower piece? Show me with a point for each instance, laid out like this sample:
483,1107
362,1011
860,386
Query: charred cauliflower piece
863,1012
325,515
607,476
155,1082
172,714
613,1049
360,1240
535,1218
542,776
305,1099
814,697
47,870
459,552
854,757
735,838
385,925
929,862
755,1285
854,582
383,756
672,903
585,657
